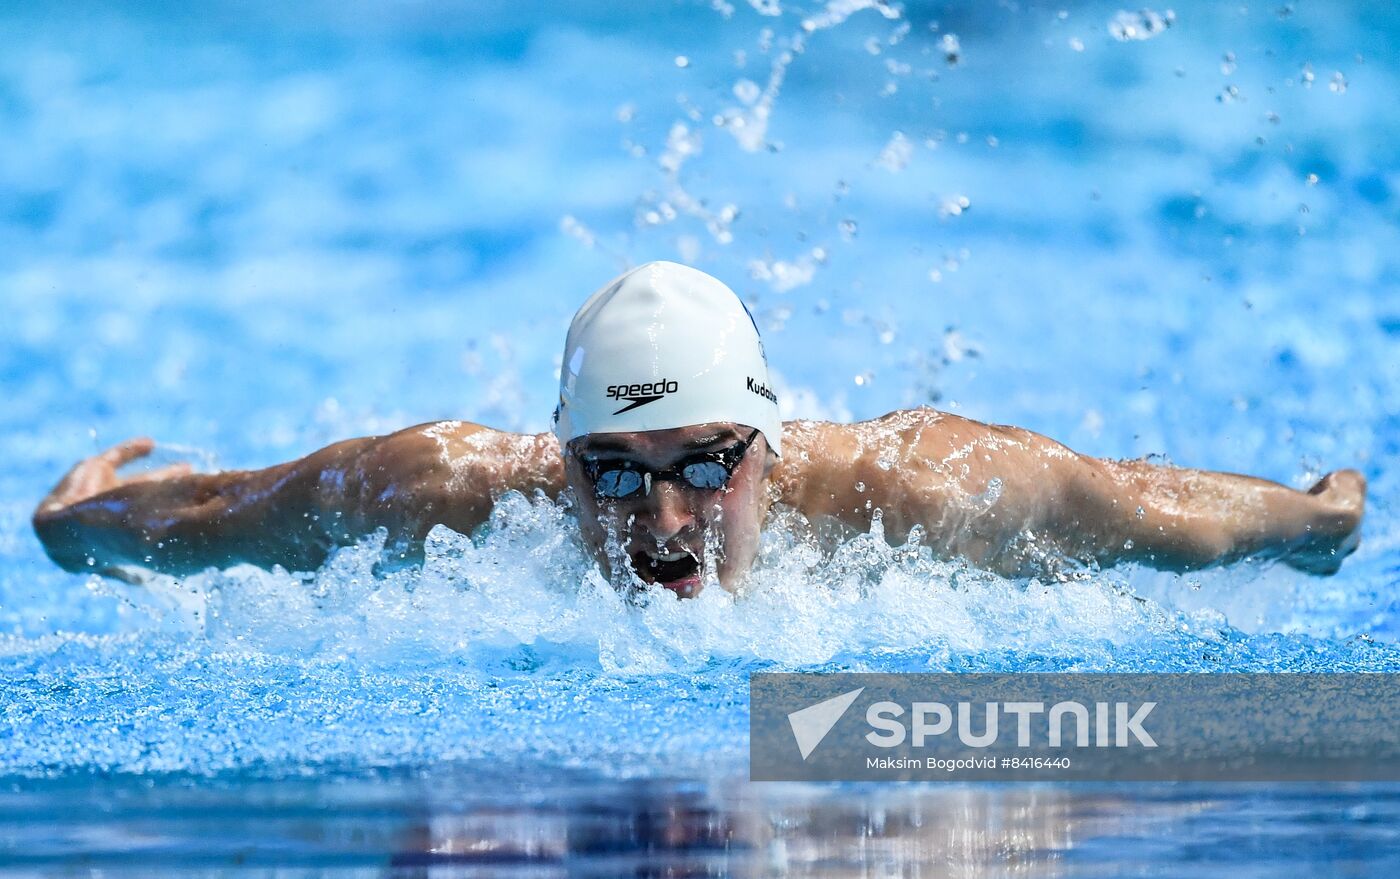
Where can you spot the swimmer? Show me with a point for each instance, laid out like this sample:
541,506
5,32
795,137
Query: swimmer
668,446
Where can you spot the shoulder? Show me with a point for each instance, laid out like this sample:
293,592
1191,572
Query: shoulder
888,434
907,449
438,456
417,454
460,461
836,468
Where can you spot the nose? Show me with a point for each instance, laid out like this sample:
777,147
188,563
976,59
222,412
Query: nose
666,512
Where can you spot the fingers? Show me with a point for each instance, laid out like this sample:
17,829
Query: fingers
125,452
1342,491
168,472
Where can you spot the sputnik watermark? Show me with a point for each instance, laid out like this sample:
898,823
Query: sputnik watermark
1112,724
811,724
814,727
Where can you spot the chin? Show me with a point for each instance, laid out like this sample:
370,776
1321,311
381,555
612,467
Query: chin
684,587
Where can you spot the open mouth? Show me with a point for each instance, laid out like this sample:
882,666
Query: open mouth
677,571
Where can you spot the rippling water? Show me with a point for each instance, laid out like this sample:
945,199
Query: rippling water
248,231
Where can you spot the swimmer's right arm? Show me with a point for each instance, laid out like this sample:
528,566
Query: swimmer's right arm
295,514
174,521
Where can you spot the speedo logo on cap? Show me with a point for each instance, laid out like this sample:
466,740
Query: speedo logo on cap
641,394
761,389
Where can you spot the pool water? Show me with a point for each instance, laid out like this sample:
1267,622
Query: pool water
249,230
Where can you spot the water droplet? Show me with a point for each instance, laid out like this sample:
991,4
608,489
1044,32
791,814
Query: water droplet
954,205
1141,512
896,154
952,49
1312,179
1142,25
848,229
1306,77
860,486
1128,544
1076,44
1338,83
682,61
1227,64
747,91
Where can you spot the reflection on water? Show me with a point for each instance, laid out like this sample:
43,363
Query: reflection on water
461,821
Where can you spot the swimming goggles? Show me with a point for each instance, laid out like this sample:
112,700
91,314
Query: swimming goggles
707,471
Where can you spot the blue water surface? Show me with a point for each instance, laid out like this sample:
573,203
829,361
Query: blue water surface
249,230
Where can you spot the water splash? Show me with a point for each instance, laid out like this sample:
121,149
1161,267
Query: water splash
526,580
784,275
1142,25
896,154
748,123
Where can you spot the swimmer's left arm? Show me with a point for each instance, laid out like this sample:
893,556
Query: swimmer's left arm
1107,512
1180,519
1011,500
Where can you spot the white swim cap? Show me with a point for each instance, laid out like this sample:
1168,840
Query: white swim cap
664,346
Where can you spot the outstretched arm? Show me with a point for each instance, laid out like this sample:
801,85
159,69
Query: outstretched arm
175,521
293,514
1180,519
1013,501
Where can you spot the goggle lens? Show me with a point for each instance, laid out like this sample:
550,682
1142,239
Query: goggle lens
707,475
618,483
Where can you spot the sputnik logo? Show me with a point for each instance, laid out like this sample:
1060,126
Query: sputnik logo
811,724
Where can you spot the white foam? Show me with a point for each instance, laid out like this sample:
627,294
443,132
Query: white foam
527,581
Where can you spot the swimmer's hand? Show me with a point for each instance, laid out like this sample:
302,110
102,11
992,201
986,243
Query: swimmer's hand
1337,501
87,479
97,474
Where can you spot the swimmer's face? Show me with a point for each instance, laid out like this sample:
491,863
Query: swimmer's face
668,534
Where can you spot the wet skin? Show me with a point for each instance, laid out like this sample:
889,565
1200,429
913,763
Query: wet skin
1000,497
